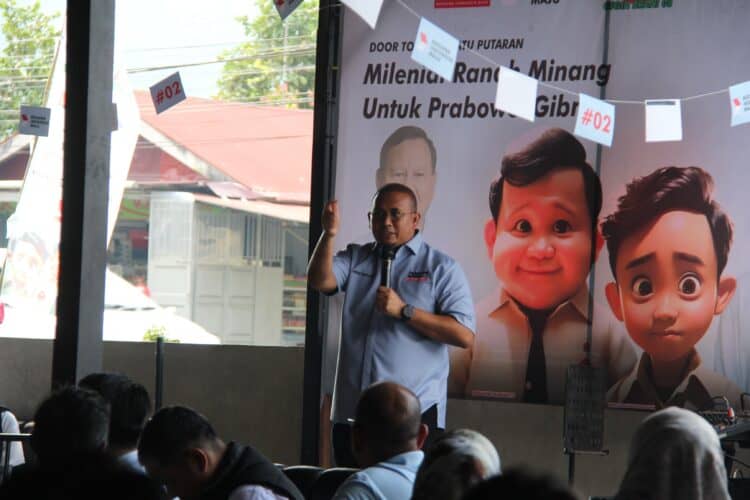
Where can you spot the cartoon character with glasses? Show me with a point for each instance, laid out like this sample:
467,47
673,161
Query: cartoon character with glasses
398,332
668,244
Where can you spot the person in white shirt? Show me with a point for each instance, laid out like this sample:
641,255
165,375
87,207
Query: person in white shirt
387,437
9,425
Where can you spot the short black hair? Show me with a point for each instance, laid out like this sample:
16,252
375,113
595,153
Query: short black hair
518,483
395,187
665,190
69,422
555,149
129,405
406,133
389,416
173,430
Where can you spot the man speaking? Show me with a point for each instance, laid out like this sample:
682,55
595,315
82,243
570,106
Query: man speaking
404,301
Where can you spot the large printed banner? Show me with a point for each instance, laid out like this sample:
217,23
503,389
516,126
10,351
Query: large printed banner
28,288
663,309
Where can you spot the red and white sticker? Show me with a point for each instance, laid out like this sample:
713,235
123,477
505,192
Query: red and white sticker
34,120
167,92
286,7
595,120
460,4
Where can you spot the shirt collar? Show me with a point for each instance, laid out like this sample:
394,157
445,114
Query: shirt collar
690,388
579,302
408,458
415,243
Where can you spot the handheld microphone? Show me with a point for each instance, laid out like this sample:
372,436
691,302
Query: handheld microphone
387,253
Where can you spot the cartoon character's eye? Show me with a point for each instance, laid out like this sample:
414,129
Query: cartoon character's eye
690,284
522,226
642,286
561,226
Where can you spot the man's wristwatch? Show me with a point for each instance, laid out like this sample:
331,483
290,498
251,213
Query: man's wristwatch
407,312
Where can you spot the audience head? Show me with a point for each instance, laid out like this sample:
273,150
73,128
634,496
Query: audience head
454,463
521,484
70,422
129,407
388,422
180,448
675,454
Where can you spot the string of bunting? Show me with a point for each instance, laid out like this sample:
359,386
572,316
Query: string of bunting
437,50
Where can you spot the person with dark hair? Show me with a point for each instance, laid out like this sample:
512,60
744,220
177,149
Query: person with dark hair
675,455
517,484
454,463
69,439
180,448
668,244
70,422
542,240
404,301
387,436
130,405
408,157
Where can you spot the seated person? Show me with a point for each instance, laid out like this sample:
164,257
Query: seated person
675,454
387,436
517,484
129,405
69,439
541,240
180,448
668,244
9,425
458,460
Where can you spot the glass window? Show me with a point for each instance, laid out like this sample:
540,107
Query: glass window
212,195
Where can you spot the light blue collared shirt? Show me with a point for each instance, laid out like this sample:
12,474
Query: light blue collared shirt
391,479
375,347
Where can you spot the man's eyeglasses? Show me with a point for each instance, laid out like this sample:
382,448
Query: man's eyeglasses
380,215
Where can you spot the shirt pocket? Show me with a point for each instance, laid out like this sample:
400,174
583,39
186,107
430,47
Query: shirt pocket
418,292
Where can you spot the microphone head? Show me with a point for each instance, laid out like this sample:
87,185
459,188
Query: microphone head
387,252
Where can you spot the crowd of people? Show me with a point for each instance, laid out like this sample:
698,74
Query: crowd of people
98,440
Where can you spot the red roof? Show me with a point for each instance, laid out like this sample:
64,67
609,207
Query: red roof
265,148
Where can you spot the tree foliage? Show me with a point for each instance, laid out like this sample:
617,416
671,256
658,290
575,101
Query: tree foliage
276,65
25,60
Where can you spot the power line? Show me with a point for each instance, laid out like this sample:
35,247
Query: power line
311,36
252,57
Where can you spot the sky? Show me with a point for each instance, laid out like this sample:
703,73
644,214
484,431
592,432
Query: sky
152,33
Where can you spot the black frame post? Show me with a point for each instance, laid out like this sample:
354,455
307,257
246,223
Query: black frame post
322,188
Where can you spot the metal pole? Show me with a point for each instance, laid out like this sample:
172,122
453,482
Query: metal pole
323,172
571,468
6,460
159,386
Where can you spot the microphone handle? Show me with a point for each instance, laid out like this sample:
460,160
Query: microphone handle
386,280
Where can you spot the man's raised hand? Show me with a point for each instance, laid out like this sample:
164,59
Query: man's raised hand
330,219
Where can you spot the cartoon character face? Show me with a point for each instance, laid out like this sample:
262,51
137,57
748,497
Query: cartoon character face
541,244
393,219
667,290
410,163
